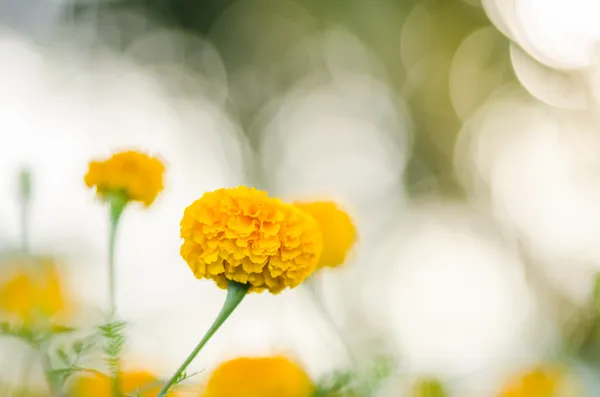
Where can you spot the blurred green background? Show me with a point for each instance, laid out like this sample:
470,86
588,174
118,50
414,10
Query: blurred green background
414,40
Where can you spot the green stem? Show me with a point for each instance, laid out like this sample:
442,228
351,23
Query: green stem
235,293
311,287
55,389
117,203
25,226
25,200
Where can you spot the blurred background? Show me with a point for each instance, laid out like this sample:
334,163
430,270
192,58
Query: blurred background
461,135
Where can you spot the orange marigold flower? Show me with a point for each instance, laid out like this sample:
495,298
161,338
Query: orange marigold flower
33,292
137,175
130,383
241,234
544,381
275,376
339,233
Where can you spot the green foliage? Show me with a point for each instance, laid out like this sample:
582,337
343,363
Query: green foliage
183,376
114,339
178,380
34,338
336,384
39,340
69,357
356,382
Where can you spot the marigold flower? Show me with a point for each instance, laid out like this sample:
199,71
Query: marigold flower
135,174
33,292
546,381
275,376
241,234
339,233
130,382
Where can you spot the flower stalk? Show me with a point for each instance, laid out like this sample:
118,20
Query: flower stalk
25,201
117,203
55,388
235,294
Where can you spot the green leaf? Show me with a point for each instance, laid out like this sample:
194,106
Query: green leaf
78,346
64,357
62,329
114,338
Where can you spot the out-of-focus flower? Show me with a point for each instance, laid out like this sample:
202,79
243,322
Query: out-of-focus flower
339,233
136,175
241,234
130,383
428,388
544,381
275,376
33,292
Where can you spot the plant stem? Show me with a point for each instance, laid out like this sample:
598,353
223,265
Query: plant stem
25,201
25,226
311,287
55,390
235,294
117,203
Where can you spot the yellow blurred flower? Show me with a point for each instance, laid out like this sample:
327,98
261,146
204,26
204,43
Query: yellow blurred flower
275,376
544,381
130,382
33,292
428,388
339,233
135,174
241,234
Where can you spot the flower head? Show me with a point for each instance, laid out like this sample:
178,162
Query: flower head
275,376
339,233
544,381
136,175
241,234
32,293
100,385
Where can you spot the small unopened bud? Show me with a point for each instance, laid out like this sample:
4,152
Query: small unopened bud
25,184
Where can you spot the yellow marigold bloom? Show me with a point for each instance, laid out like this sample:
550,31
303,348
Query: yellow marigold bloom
544,381
241,234
130,382
339,233
275,376
32,293
137,175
